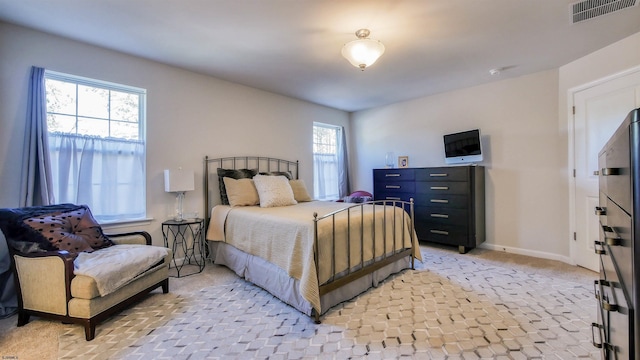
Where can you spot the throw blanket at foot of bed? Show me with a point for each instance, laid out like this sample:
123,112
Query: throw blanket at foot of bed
116,266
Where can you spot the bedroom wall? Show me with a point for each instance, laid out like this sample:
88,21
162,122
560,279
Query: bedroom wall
525,191
524,122
189,115
582,73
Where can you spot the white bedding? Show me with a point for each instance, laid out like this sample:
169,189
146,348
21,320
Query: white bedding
117,265
284,236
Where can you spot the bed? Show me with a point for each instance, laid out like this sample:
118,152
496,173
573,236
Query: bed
310,254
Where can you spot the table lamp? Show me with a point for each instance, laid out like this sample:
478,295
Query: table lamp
179,181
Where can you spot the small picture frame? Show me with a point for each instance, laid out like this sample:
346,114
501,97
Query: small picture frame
403,161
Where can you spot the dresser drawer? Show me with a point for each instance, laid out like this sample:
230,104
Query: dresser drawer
384,175
443,174
443,200
614,313
400,196
394,187
442,233
439,188
440,215
615,173
616,234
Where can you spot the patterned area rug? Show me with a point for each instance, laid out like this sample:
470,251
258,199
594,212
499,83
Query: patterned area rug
448,308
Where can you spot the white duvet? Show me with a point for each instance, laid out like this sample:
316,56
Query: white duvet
115,266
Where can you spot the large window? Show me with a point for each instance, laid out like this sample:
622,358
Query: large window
326,161
96,138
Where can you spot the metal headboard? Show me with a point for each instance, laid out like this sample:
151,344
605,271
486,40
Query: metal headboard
262,164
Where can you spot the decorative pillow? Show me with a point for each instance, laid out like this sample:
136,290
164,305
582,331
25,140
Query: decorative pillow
357,199
234,174
300,192
274,191
241,192
286,174
74,231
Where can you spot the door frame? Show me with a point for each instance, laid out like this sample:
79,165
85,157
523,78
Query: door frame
571,145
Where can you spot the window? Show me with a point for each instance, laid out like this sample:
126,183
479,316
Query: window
326,161
96,139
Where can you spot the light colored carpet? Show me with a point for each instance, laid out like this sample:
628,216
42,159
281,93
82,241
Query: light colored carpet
484,304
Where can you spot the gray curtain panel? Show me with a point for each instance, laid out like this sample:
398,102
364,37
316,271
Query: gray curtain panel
36,187
343,166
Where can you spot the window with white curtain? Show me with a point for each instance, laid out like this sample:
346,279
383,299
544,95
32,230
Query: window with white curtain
96,135
326,161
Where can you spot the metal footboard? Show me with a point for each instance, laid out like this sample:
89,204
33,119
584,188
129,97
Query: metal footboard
400,247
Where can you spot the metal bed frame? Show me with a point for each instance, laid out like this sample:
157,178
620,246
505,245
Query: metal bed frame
353,271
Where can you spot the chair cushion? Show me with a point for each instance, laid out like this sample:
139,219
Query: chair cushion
85,287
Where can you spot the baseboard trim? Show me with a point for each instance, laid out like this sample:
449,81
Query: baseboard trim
532,253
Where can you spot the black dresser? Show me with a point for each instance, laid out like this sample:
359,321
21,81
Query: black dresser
449,201
617,331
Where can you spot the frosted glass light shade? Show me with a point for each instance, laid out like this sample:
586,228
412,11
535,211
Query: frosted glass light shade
179,180
362,53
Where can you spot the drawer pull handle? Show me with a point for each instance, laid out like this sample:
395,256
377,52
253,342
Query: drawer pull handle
598,328
438,175
613,241
442,216
609,307
439,201
610,171
600,251
600,282
601,211
602,299
391,175
392,198
439,232
439,188
392,187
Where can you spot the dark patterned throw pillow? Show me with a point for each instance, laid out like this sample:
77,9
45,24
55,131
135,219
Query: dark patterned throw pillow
286,174
73,231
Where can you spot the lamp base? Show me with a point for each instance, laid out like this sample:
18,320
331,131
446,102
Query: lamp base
179,214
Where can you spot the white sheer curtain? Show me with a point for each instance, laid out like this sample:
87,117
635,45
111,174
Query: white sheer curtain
331,176
108,174
326,176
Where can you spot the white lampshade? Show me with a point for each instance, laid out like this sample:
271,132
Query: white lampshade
179,180
363,52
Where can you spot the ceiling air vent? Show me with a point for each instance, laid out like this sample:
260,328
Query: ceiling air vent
589,9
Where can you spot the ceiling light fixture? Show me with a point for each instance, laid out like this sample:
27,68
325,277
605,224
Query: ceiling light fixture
363,52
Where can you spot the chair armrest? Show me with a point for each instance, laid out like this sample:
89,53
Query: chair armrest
44,280
136,237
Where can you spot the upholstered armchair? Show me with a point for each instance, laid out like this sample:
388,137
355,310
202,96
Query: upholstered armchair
67,269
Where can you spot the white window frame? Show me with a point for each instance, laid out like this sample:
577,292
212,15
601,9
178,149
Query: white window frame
330,176
79,80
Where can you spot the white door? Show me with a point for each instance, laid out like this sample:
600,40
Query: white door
599,110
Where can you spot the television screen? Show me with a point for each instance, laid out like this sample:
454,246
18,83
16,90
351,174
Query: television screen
463,147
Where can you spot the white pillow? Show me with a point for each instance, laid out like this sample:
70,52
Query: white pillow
241,192
300,192
274,191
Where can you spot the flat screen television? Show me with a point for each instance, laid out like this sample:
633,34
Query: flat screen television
463,147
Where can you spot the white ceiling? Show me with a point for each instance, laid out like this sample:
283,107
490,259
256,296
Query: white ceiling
292,47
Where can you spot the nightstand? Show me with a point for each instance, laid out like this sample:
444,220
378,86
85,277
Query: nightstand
187,244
